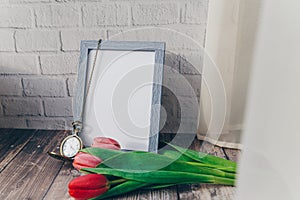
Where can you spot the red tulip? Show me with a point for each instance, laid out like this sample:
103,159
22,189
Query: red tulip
88,186
107,143
85,160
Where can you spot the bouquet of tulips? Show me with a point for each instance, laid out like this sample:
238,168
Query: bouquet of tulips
112,172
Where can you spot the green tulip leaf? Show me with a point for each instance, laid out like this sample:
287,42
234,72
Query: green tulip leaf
161,177
176,156
205,158
138,160
158,186
153,162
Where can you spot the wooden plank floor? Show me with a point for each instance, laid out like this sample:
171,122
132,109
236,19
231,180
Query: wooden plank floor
27,172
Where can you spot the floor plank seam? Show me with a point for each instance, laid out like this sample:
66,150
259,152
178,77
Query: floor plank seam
1,170
177,190
227,157
56,175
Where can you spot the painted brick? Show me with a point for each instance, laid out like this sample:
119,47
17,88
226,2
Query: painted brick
46,123
188,85
1,110
180,126
175,38
169,126
20,107
16,17
170,105
123,13
155,13
37,40
71,82
196,12
18,64
189,107
195,83
188,126
191,62
13,122
171,61
69,121
71,38
57,16
58,107
10,86
7,40
105,15
192,35
66,63
54,87
28,1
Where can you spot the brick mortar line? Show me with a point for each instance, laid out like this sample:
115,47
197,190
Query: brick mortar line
23,88
34,76
95,27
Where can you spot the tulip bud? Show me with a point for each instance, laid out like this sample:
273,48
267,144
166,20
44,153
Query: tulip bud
106,143
85,160
88,186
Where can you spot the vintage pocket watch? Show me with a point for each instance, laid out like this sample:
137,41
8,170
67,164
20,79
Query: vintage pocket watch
70,146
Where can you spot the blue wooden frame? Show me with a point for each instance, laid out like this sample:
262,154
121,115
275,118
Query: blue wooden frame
157,47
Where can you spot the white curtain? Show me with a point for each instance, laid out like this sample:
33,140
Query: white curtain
229,46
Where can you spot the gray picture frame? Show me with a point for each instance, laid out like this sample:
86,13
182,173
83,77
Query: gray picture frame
80,92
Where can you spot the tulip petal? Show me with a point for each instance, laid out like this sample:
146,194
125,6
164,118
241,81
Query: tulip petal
90,181
88,186
85,160
87,194
103,142
106,146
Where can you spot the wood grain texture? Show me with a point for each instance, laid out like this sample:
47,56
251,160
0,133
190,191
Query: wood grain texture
169,193
32,171
13,142
232,154
59,187
206,191
128,196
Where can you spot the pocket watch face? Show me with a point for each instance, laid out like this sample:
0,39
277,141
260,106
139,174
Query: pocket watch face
70,146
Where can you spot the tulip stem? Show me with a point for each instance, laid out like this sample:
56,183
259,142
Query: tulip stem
115,182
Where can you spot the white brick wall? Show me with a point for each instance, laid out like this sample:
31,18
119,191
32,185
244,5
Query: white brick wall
22,106
16,17
7,40
39,48
58,107
11,86
155,13
37,40
48,87
105,14
14,63
57,16
65,63
70,35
